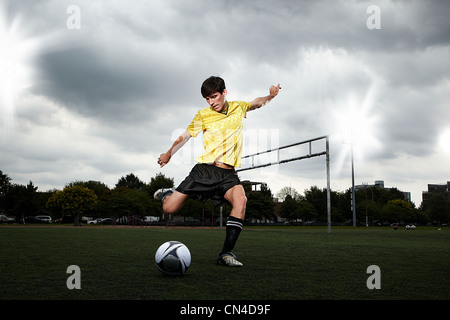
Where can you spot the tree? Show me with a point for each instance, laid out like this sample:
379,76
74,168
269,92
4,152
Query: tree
73,200
98,187
193,208
21,201
126,201
437,207
305,211
288,191
5,184
259,204
288,208
158,182
318,198
130,181
101,190
399,210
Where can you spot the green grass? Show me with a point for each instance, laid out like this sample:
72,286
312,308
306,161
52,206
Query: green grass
279,264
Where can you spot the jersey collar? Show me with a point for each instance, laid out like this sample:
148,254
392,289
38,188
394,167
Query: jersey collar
225,110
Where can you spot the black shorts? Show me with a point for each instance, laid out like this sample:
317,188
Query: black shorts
209,182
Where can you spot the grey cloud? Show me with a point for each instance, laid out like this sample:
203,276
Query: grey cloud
135,68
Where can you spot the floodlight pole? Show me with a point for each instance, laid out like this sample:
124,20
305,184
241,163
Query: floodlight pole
353,185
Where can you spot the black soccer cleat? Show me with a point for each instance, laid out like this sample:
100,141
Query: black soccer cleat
162,193
228,259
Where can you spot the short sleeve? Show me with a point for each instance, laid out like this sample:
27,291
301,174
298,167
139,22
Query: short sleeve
245,107
196,125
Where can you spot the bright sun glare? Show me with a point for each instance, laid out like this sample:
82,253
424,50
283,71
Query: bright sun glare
355,122
444,141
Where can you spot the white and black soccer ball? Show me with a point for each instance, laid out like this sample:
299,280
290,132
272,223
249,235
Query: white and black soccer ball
173,258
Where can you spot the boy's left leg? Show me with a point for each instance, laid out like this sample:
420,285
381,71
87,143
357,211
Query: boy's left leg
236,196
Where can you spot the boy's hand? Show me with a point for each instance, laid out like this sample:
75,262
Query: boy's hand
164,159
259,102
274,90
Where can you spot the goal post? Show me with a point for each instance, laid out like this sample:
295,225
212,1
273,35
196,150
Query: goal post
307,155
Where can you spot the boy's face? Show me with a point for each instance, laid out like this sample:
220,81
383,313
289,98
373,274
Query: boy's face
217,100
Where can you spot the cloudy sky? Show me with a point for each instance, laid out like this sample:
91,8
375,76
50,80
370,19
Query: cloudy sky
95,90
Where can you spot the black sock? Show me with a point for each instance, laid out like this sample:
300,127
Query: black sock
234,227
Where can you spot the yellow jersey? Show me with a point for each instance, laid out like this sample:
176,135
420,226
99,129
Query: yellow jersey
222,133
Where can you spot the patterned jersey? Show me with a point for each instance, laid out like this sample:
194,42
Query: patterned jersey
222,133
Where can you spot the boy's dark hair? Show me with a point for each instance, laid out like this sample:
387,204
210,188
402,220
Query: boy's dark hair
211,85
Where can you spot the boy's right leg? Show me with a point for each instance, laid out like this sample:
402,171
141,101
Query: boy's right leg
172,200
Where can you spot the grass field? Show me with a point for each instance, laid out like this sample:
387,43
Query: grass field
279,264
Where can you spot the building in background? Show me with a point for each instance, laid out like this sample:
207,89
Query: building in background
434,188
380,184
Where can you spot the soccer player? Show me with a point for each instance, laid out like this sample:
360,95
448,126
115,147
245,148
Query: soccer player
214,176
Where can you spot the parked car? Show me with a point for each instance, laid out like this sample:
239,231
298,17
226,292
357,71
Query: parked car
107,221
149,220
95,221
38,219
65,219
45,219
32,219
5,219
86,219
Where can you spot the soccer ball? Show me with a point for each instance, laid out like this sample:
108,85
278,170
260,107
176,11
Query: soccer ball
173,258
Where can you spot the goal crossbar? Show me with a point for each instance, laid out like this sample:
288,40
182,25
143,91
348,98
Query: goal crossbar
310,154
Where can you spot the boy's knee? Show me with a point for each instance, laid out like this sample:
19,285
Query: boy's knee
168,206
244,200
240,202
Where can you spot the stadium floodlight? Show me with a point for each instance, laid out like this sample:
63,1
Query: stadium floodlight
308,155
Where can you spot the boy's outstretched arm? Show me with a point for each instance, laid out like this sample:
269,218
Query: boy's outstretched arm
165,157
259,102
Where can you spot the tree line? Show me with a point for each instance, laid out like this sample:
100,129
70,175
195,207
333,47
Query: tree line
133,197
374,206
